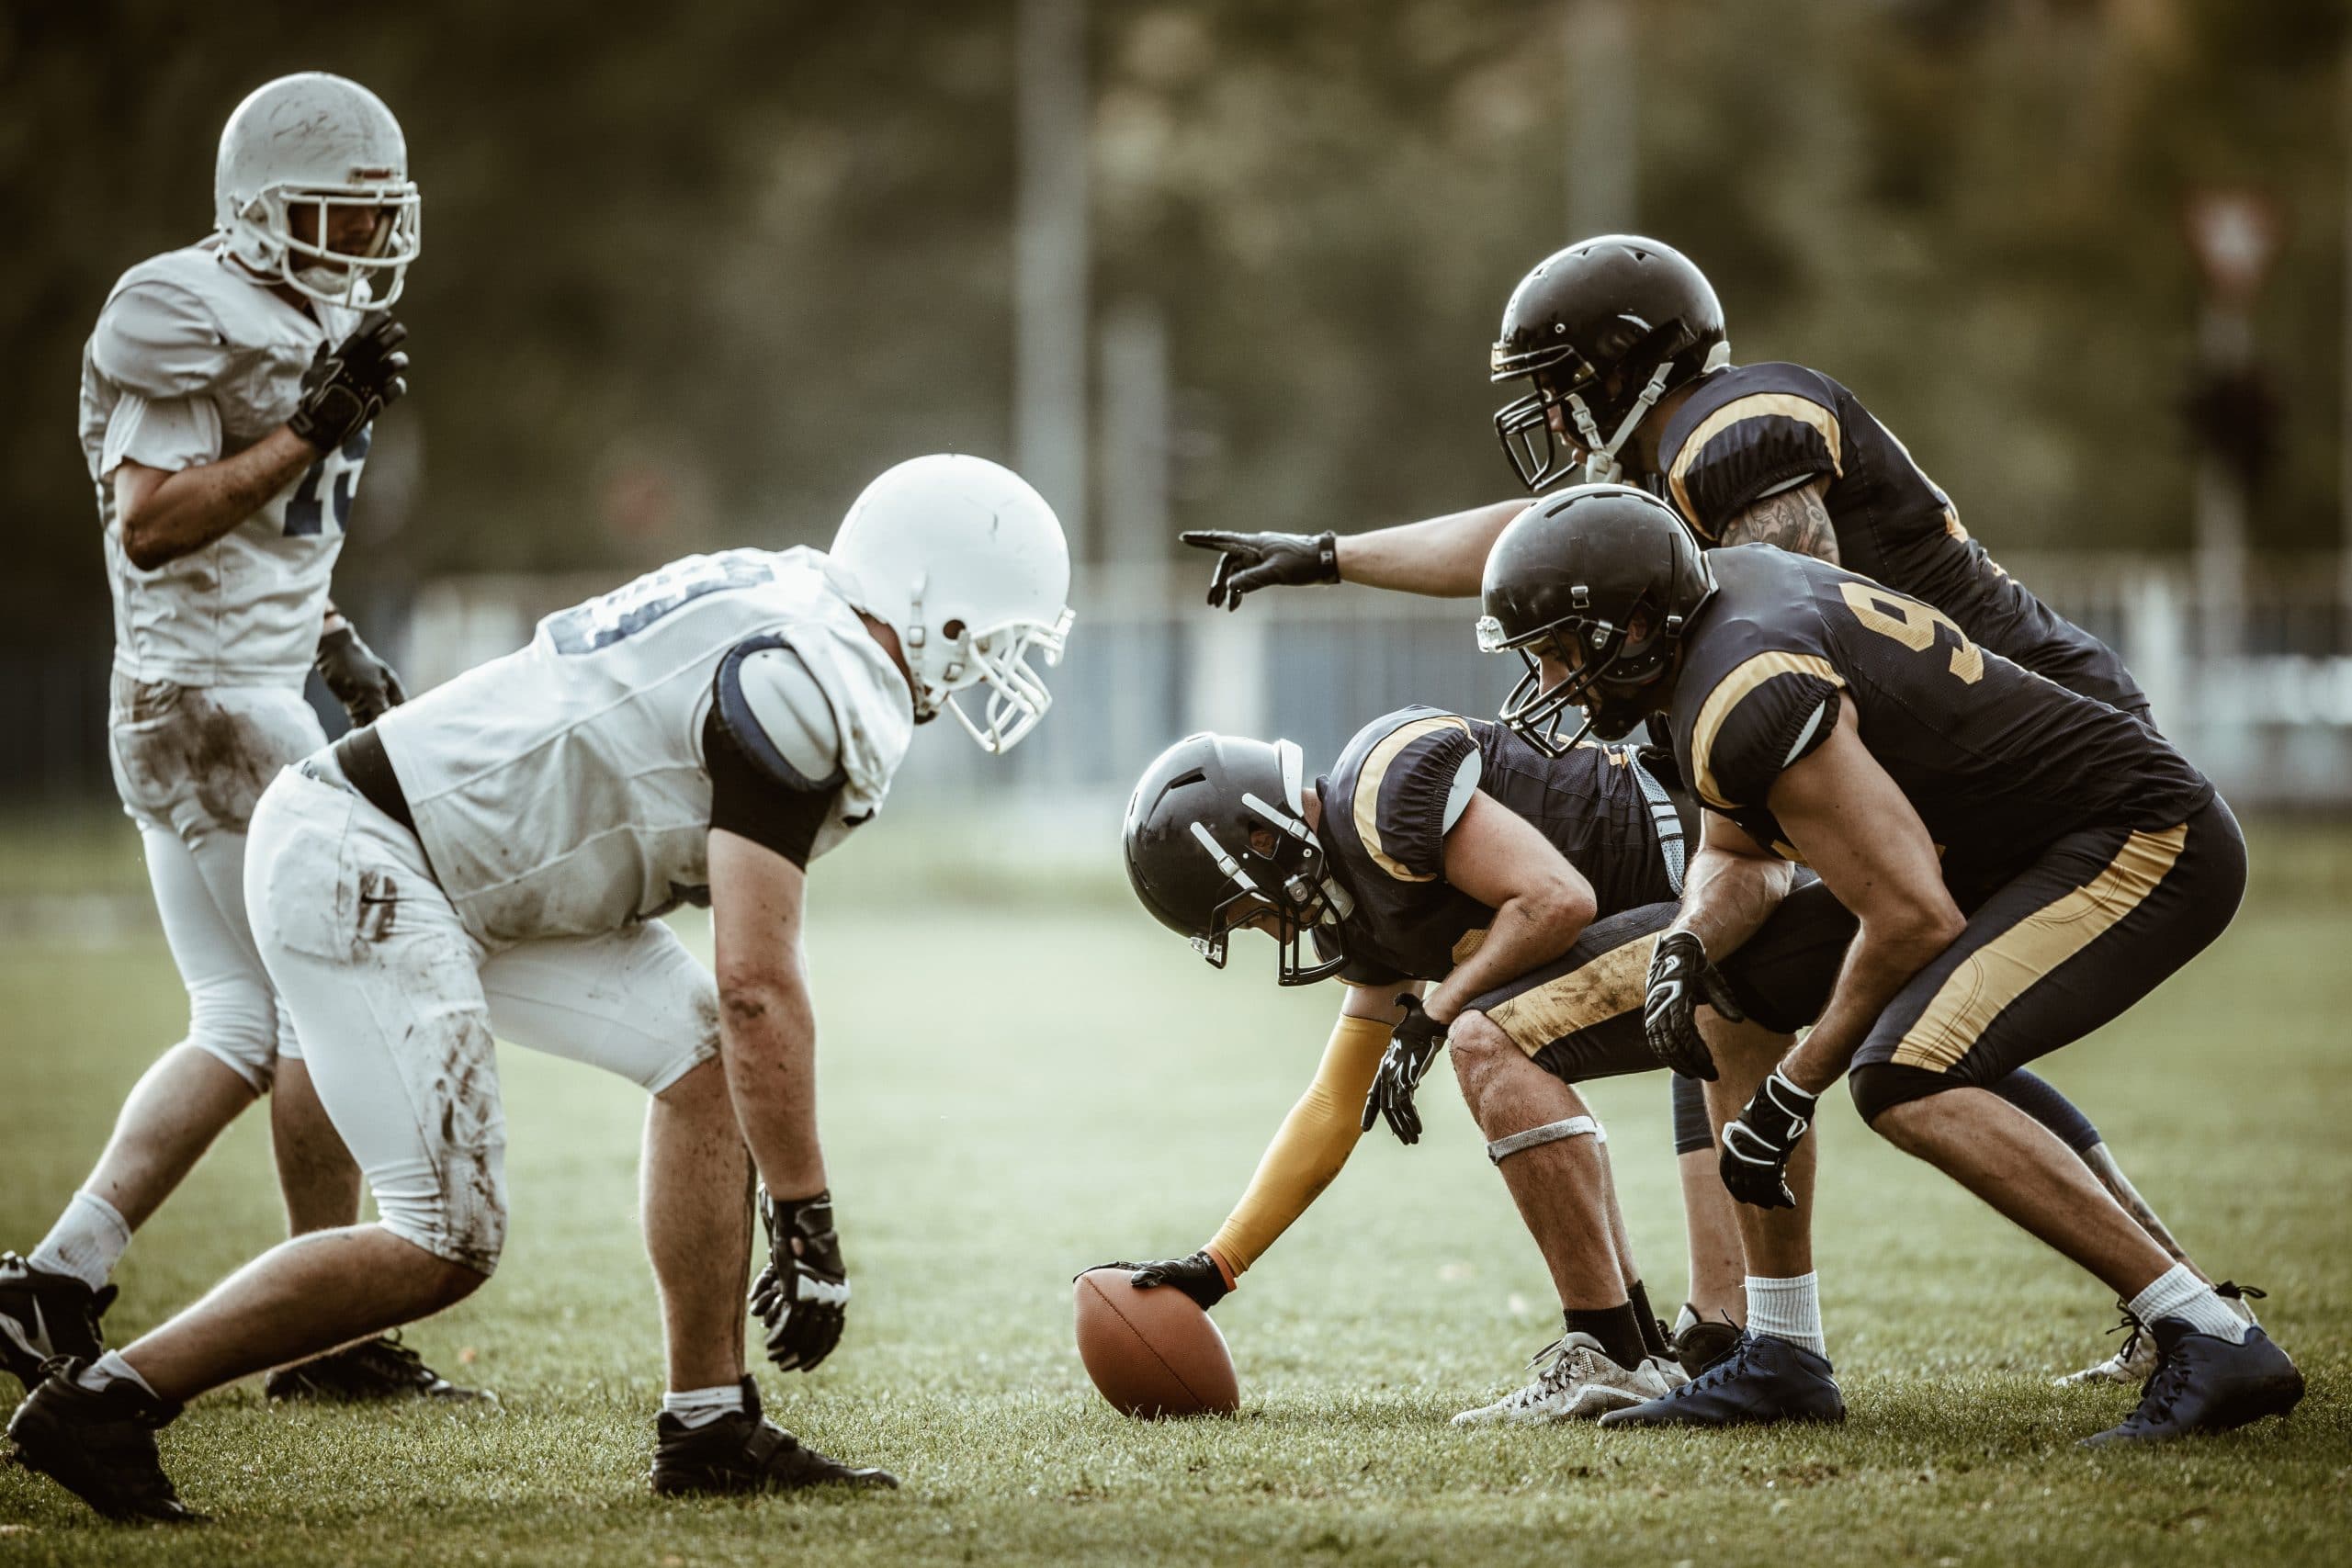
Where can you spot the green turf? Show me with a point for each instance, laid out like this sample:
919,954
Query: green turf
1012,1095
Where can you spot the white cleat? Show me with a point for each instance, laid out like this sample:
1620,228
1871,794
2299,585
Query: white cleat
1575,1381
2134,1363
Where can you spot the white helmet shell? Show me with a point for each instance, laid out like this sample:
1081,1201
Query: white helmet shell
319,141
967,564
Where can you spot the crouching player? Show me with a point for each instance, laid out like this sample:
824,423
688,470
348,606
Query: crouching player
488,860
2024,863
1529,892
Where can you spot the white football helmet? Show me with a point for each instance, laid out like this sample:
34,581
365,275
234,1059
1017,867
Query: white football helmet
967,564
319,141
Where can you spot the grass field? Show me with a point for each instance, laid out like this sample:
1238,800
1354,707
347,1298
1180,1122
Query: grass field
1014,1093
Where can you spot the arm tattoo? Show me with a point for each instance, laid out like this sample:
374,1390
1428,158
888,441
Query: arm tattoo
1794,519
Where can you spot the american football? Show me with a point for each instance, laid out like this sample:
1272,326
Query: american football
1050,781
1152,1353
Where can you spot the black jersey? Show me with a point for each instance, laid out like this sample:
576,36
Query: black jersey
1997,761
1404,781
1751,429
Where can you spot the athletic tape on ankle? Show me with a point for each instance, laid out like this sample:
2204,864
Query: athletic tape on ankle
1502,1149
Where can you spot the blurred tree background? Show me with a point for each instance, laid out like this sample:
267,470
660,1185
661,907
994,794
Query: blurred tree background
693,272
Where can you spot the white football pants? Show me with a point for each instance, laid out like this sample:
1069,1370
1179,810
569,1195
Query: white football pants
191,764
397,1004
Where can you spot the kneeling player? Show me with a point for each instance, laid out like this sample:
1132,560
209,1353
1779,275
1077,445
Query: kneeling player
2024,863
490,859
1441,851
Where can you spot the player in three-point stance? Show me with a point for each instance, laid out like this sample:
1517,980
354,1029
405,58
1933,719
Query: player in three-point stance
1527,892
1622,344
228,395
490,859
2024,864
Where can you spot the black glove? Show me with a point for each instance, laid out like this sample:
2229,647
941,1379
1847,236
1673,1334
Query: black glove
1197,1276
1681,979
1412,1048
343,390
366,686
803,1293
1250,561
1757,1145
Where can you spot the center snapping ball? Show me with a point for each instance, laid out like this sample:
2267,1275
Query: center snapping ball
1152,1352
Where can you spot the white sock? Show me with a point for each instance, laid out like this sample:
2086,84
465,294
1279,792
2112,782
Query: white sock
109,1370
2179,1294
87,1242
1788,1309
701,1406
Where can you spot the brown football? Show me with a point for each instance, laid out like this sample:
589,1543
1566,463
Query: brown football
1152,1352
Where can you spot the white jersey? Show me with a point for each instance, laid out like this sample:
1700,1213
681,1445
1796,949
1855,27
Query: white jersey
192,360
562,790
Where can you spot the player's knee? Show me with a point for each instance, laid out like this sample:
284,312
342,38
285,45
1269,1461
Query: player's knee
1480,1049
236,1022
1883,1092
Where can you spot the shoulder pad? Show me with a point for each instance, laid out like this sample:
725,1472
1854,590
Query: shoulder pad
1409,786
1747,432
161,333
1770,711
772,707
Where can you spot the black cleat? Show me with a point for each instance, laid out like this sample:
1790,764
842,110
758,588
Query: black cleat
2205,1384
1762,1382
744,1451
1698,1344
372,1370
100,1447
45,1316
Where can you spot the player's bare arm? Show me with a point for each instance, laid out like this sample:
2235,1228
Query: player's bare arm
1542,903
166,515
1795,519
1855,829
1731,888
767,1023
1441,557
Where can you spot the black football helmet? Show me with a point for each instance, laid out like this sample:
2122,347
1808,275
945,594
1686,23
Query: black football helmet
1603,329
1575,571
1192,863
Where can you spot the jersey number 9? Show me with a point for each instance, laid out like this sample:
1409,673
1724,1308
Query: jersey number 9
1913,624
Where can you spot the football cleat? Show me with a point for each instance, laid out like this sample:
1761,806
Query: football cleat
1764,1380
100,1447
45,1316
2137,1359
2205,1384
1575,1381
1700,1344
373,1370
744,1451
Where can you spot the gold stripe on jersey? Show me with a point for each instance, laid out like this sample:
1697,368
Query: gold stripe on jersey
1756,405
1726,696
1609,986
2004,969
1368,781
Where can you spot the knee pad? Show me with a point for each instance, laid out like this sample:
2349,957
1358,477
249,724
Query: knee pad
1879,1086
459,1217
1502,1149
236,1022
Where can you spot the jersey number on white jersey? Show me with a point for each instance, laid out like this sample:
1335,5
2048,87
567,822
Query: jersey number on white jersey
629,609
305,509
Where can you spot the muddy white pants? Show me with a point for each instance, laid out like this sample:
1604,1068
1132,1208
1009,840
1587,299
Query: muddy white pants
397,1004
191,764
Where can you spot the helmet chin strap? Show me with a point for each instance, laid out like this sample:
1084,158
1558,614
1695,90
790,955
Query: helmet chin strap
1600,465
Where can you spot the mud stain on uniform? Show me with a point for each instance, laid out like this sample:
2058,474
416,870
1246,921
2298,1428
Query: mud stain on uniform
472,1139
223,756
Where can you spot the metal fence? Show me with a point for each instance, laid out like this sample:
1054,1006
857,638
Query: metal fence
2256,685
